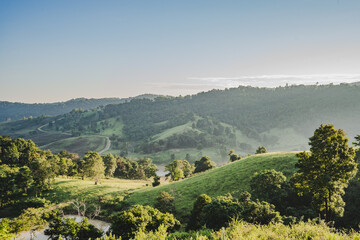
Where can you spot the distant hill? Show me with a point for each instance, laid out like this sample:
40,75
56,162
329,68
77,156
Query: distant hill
15,111
208,123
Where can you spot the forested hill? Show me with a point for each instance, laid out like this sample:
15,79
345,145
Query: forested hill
208,123
251,110
16,111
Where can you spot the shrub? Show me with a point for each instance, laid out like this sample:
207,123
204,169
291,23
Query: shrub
141,218
165,203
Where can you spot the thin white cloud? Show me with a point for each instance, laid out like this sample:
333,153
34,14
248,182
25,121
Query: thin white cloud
275,80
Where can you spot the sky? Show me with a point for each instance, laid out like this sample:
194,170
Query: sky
58,50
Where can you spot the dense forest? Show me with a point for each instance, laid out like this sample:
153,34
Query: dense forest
214,118
15,111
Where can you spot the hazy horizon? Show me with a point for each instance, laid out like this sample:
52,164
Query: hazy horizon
53,51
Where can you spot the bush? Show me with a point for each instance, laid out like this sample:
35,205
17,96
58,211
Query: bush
195,217
141,218
260,150
165,203
204,164
156,181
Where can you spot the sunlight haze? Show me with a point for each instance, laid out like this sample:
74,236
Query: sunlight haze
58,50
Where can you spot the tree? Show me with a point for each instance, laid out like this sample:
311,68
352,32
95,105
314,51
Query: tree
110,164
156,181
24,179
204,164
196,212
93,166
260,150
141,218
233,157
326,170
148,167
179,169
357,143
7,187
267,185
165,203
70,229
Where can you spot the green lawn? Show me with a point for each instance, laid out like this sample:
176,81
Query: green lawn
66,189
231,178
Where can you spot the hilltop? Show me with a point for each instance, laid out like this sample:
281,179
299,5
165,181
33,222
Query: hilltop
16,110
208,123
231,178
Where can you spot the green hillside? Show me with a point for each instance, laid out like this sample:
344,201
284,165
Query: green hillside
231,178
79,145
208,123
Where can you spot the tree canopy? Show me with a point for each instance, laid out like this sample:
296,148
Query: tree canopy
326,170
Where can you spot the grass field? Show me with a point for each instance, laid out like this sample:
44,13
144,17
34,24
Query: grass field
68,189
116,127
231,178
175,130
79,145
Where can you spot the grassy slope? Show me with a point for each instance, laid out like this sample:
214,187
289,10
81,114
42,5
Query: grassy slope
231,178
68,189
116,127
79,145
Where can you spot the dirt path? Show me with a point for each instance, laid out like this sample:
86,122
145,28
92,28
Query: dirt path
41,130
108,145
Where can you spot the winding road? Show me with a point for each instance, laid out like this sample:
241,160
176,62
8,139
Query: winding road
108,145
108,141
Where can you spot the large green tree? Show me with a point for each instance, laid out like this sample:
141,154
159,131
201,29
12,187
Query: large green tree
204,164
326,170
110,164
179,169
93,166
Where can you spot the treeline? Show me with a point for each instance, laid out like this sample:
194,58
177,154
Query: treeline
15,111
251,110
25,169
205,133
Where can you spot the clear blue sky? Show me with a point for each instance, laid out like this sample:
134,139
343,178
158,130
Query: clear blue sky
58,50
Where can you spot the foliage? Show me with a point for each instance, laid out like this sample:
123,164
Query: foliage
233,157
267,185
165,203
326,171
240,230
148,167
156,181
204,164
196,216
92,166
110,164
24,167
130,169
6,229
260,150
141,218
222,209
179,169
70,229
